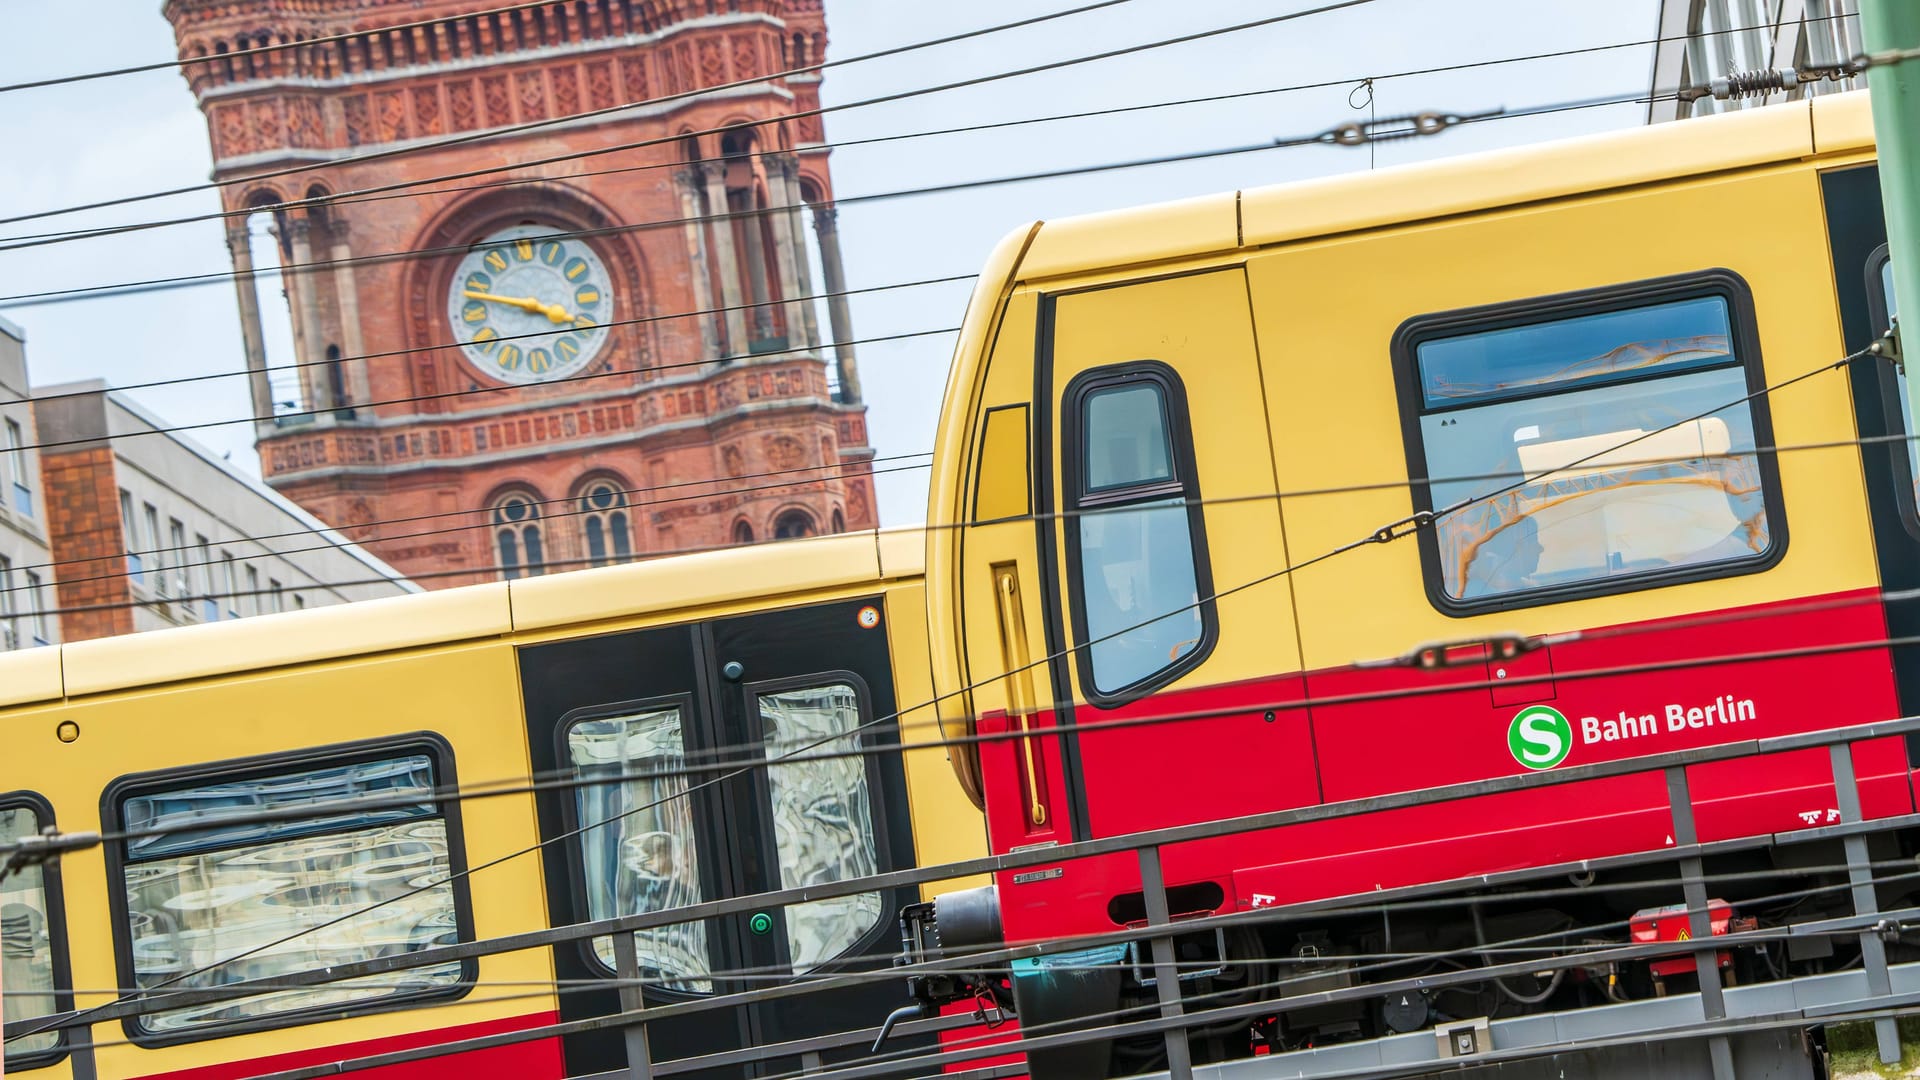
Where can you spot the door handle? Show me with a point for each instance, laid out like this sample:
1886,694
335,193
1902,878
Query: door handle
1019,668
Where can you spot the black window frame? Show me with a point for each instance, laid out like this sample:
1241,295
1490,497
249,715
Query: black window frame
1743,330
56,936
1879,316
437,749
1184,484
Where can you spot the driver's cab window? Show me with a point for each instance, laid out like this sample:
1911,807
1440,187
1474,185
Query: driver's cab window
1135,546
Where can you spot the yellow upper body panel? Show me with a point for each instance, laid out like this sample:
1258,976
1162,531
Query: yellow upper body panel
1334,266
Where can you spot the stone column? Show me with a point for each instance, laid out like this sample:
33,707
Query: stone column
825,223
752,237
306,320
785,255
359,382
689,184
252,341
797,226
724,258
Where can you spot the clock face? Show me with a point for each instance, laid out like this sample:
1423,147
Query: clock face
528,307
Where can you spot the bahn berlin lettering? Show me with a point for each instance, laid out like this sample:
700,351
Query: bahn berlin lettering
1540,736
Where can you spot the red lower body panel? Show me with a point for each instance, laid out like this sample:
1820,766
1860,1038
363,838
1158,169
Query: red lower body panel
1615,695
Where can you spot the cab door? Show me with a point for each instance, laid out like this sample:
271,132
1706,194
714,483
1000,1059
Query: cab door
652,726
1165,559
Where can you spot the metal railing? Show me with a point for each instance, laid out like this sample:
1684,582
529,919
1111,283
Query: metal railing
1171,1016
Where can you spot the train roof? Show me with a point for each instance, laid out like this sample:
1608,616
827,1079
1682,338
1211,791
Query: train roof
1424,191
774,571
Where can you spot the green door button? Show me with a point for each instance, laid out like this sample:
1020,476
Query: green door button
761,923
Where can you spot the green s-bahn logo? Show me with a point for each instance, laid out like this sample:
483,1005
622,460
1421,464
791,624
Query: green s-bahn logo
1539,737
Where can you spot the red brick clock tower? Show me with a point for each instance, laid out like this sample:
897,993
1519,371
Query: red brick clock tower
527,366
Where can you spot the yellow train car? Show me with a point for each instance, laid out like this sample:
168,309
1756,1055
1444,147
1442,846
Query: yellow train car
605,687
1417,477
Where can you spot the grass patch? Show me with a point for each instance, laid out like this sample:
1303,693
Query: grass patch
1851,1048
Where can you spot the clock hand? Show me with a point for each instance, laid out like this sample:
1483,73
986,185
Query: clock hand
554,312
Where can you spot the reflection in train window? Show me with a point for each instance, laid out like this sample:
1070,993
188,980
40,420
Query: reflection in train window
26,942
221,891
637,851
1590,449
822,815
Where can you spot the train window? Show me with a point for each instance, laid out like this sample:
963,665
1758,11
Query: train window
637,851
32,939
1135,554
1590,444
215,885
822,815
1893,385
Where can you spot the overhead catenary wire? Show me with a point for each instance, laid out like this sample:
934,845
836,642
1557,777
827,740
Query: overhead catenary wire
253,178
337,200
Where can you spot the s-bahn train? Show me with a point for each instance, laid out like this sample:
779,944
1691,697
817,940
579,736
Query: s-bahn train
206,743
1542,380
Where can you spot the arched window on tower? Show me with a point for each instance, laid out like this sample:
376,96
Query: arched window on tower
604,521
839,521
516,535
794,524
742,532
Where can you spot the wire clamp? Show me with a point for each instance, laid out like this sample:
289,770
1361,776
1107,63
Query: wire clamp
1887,347
1393,128
43,847
1406,526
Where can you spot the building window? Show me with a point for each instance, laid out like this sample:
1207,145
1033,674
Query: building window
9,631
253,592
603,515
1135,552
204,879
793,524
17,467
131,526
37,610
178,554
203,578
1562,432
516,534
839,521
742,532
152,540
230,582
33,936
277,594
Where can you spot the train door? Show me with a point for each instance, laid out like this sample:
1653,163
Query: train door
1162,538
1863,281
663,718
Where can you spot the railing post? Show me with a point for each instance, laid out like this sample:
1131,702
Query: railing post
1693,889
1873,951
1166,975
626,964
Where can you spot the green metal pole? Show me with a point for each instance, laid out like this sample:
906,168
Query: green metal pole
1893,27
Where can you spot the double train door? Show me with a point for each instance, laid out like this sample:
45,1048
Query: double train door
675,737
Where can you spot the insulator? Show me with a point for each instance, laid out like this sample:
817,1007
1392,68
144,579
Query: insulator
1745,84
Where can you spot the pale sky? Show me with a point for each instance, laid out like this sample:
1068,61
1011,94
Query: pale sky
120,136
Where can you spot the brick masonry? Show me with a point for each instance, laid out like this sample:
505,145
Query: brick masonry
422,444
83,508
